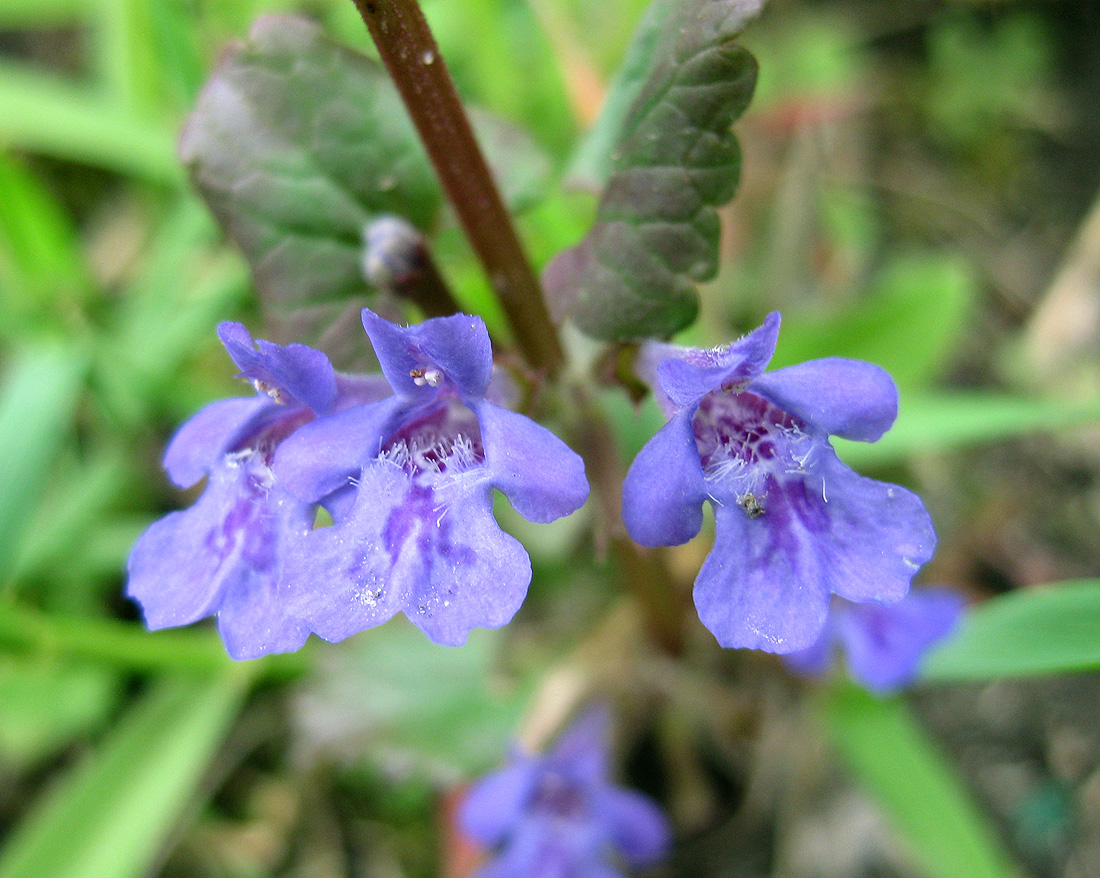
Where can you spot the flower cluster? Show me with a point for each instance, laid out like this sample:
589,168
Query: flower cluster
559,816
793,525
883,643
406,467
405,464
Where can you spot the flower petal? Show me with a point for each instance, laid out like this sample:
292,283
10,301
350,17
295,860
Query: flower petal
687,377
341,579
847,398
252,622
638,828
764,584
205,438
581,750
181,567
403,547
476,575
325,455
541,476
885,642
495,804
457,345
875,535
299,371
664,489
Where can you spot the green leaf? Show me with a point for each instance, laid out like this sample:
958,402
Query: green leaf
128,645
394,692
1051,629
892,759
37,407
936,422
47,704
114,813
41,271
656,234
591,164
297,143
908,323
47,115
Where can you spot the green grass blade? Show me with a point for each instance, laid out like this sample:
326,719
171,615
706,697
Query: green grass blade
48,115
892,759
37,405
1053,629
947,421
112,815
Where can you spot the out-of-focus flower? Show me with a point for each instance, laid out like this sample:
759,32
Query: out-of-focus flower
884,643
793,525
559,816
410,482
224,555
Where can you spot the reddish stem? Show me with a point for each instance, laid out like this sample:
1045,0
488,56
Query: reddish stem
410,54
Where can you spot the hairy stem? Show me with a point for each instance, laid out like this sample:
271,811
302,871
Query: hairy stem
410,54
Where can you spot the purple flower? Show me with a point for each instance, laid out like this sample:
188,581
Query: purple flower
884,643
558,815
793,525
223,556
410,483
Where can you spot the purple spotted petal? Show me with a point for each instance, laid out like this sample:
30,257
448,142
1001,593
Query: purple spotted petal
205,438
693,373
840,397
457,346
326,455
664,489
252,621
188,564
494,805
437,555
296,371
764,585
540,475
476,575
873,537
885,643
637,827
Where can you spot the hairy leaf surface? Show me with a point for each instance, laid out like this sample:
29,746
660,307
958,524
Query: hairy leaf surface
297,143
676,160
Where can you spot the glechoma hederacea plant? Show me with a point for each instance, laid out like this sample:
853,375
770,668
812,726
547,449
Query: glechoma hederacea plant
405,460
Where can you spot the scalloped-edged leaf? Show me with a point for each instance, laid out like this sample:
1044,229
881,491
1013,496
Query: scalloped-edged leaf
676,160
296,143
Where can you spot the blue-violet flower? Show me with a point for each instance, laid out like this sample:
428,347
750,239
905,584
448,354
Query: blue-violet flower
559,816
410,483
224,555
793,525
884,643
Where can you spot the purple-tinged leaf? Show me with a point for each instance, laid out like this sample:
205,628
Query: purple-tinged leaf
297,143
676,160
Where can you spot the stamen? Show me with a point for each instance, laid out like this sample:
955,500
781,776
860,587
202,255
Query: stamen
429,377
